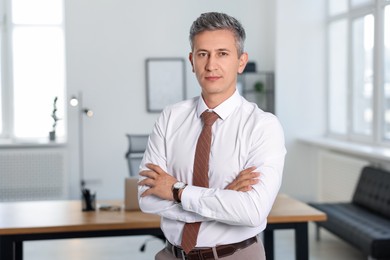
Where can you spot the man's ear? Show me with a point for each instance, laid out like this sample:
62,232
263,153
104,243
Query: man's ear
190,57
243,60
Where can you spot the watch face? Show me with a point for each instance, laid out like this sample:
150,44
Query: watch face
179,185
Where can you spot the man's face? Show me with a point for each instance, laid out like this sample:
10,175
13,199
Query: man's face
215,61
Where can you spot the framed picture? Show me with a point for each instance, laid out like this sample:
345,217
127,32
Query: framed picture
165,82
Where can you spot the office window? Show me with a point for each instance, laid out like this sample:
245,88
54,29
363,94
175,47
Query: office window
357,3
362,74
34,55
337,68
336,7
358,90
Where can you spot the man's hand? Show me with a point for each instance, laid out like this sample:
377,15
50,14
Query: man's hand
244,180
159,182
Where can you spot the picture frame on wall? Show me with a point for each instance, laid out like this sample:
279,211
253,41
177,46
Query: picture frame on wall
165,82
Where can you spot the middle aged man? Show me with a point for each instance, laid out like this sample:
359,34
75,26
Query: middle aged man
214,194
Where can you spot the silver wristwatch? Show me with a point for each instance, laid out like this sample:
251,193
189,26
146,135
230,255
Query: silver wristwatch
176,188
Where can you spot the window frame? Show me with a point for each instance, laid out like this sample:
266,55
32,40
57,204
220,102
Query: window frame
377,10
6,72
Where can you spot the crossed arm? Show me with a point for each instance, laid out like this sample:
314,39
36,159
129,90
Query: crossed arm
160,182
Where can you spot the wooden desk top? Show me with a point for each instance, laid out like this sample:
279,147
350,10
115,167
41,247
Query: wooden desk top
290,210
66,216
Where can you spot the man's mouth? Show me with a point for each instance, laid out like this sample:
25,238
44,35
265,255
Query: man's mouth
212,78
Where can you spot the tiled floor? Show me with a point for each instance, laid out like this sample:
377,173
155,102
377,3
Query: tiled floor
120,248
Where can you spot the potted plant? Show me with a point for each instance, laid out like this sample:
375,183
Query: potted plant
259,89
259,86
52,133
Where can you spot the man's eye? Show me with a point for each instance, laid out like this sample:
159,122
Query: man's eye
223,54
202,54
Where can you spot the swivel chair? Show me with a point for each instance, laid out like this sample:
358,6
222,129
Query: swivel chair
137,147
134,155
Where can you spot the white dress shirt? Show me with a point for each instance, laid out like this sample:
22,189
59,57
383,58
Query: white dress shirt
242,137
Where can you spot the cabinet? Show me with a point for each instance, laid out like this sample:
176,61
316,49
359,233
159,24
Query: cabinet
258,87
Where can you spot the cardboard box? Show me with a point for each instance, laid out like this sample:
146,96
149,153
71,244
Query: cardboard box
131,194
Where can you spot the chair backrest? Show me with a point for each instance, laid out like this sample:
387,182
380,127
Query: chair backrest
137,147
373,190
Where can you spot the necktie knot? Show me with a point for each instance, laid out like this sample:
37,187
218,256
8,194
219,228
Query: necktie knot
209,118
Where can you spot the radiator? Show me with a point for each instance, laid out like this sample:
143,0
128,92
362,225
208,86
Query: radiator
338,175
32,174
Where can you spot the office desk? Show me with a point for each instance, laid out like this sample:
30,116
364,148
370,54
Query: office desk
289,213
23,221
42,220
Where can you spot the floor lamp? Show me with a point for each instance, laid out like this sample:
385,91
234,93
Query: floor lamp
77,101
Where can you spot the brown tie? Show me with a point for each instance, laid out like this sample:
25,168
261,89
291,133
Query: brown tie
200,175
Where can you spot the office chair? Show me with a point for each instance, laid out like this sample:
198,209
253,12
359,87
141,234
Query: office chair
137,147
134,155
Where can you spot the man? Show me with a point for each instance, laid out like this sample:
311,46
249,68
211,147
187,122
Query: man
219,216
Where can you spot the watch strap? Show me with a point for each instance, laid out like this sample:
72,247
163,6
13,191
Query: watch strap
176,194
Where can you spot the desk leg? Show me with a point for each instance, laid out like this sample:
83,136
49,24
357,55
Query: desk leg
10,249
269,243
6,249
301,241
18,250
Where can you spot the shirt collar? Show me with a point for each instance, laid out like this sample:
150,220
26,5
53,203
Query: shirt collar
224,109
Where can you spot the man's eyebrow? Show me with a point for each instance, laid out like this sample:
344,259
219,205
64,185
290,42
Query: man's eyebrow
219,50
223,49
202,50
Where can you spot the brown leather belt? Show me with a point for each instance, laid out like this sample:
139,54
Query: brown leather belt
208,253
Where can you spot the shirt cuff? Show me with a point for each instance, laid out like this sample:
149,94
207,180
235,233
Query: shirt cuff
190,198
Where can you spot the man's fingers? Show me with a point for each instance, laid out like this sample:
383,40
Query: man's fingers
148,174
248,173
246,183
157,169
247,176
248,170
159,182
147,182
245,180
147,193
245,188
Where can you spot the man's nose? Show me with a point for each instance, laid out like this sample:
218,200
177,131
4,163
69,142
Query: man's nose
211,63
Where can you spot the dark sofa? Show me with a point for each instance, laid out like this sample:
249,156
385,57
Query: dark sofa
365,221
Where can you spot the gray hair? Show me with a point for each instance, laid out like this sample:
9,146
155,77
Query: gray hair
218,21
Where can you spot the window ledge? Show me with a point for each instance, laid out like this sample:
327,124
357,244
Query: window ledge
30,143
360,150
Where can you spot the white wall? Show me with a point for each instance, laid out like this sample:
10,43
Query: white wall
107,44
109,40
300,89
